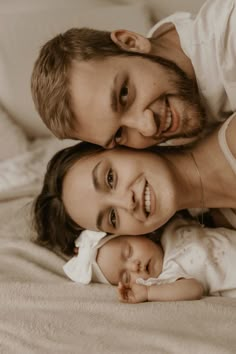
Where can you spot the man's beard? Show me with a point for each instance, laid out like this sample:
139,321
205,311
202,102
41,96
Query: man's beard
186,90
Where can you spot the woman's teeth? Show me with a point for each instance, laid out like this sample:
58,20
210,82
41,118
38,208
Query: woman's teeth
168,121
147,199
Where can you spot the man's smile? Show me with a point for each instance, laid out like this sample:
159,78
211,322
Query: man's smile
167,122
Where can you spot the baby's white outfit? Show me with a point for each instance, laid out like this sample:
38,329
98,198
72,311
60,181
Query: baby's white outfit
205,254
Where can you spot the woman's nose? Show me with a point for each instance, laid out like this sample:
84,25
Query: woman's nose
125,200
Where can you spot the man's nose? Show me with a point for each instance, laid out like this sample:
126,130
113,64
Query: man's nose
143,122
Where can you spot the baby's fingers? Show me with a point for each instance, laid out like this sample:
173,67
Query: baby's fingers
125,294
122,293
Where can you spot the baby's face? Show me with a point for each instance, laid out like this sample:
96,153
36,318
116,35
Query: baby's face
126,258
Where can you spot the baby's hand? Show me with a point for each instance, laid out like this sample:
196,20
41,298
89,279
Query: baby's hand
132,293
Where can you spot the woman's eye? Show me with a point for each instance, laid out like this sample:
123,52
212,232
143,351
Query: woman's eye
113,218
124,94
110,178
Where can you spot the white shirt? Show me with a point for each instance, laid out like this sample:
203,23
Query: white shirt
209,40
205,254
227,212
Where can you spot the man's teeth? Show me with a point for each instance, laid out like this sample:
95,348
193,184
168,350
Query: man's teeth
168,121
147,199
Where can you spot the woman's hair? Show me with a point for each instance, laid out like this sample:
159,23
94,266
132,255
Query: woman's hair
54,227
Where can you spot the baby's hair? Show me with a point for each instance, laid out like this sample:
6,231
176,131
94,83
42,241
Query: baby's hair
54,227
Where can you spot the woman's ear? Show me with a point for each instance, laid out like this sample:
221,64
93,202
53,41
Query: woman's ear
131,41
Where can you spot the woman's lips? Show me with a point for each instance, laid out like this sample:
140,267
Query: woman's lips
149,200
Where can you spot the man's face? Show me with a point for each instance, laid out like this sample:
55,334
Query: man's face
133,101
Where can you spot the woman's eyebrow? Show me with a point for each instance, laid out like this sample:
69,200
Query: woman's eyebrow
95,177
99,220
98,186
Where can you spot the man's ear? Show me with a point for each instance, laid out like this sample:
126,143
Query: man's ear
131,41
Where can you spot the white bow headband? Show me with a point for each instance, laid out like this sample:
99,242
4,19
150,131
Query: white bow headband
83,268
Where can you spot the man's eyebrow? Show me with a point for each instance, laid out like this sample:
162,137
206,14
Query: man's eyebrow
114,106
97,186
113,96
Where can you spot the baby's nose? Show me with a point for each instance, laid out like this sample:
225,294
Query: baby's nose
134,266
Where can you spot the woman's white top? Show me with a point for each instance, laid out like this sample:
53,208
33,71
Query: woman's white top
209,40
205,254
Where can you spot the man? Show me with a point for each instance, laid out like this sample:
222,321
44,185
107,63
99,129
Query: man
122,88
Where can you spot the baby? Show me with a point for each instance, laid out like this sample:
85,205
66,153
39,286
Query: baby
187,263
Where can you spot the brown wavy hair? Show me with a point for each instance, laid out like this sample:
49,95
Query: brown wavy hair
54,227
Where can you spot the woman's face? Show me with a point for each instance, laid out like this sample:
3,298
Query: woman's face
127,258
120,191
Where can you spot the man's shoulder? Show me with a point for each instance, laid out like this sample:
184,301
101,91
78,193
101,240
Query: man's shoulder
166,23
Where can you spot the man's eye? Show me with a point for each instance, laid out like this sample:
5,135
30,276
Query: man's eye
110,178
124,94
118,136
113,218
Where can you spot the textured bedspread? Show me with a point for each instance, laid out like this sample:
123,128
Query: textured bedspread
42,312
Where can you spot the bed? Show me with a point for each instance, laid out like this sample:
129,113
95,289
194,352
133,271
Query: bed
41,311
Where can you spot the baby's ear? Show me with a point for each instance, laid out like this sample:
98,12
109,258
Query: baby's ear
76,250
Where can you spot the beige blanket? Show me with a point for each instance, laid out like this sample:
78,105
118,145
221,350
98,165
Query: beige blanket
42,312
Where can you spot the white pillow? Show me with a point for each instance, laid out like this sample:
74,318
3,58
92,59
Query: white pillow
163,8
23,174
27,24
13,140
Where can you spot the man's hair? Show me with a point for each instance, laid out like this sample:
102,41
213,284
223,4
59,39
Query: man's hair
50,81
54,227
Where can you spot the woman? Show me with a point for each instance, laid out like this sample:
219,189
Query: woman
125,191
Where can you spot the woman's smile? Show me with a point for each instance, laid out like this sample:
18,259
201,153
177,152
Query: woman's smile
149,200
